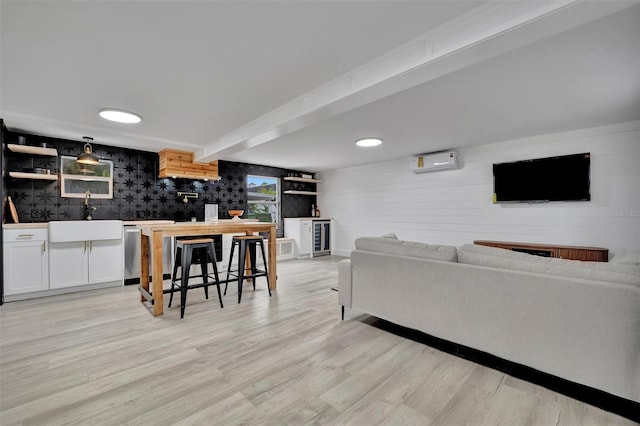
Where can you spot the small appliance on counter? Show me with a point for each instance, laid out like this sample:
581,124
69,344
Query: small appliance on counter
211,213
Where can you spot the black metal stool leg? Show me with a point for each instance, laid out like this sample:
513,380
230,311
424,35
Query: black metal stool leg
174,274
204,270
266,268
242,252
186,262
252,256
233,246
215,271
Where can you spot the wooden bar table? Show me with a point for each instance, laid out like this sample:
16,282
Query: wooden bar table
153,234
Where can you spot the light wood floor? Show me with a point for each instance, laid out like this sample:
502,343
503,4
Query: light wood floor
99,357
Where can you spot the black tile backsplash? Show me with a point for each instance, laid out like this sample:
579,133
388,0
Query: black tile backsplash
138,193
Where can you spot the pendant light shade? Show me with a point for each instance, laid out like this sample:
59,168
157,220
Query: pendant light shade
87,157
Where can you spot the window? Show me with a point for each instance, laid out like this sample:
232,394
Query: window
263,195
78,178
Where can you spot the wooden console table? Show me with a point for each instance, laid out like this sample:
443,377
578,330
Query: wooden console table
593,254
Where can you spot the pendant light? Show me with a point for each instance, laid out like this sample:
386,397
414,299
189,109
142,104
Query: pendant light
87,157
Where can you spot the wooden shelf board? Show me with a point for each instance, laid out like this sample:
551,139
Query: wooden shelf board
33,150
294,192
40,176
299,179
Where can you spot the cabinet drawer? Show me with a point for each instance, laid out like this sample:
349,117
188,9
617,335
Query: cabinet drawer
27,234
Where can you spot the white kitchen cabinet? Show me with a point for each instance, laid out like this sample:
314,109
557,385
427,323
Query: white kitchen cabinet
69,265
86,262
106,261
26,261
95,260
301,230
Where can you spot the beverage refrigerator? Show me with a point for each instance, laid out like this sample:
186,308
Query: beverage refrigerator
321,237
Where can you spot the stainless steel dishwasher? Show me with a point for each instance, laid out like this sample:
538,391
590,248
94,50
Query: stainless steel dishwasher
132,255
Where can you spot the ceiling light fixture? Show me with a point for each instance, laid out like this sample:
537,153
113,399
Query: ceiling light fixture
87,157
120,116
368,142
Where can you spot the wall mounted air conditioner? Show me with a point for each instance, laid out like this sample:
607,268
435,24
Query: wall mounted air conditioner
446,160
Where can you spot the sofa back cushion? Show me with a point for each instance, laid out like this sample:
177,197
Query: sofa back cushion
507,259
627,258
407,248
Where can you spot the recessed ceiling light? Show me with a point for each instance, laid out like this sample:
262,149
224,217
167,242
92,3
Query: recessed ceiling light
120,116
367,142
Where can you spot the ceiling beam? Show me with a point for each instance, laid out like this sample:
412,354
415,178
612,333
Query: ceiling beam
482,33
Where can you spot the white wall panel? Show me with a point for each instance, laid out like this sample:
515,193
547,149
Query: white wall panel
455,206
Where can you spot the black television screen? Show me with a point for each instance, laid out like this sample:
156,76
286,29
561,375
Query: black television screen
564,178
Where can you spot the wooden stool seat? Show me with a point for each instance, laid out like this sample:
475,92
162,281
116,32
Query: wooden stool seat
196,241
247,237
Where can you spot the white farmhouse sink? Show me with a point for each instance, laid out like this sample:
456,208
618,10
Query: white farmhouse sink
84,230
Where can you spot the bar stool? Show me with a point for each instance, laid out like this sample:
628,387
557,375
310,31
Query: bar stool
247,243
185,249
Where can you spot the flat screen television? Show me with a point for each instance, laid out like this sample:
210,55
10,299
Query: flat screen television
563,178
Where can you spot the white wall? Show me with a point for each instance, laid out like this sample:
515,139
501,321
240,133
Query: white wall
455,207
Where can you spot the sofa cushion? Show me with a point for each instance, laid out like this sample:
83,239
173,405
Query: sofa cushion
507,259
407,248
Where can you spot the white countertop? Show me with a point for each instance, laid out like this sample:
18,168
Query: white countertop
37,225
308,218
44,225
147,222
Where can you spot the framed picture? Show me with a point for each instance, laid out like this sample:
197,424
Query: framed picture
76,179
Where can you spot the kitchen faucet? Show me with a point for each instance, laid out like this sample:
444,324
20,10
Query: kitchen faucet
87,209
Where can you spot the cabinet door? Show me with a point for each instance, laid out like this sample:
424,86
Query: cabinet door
305,244
106,261
26,267
68,264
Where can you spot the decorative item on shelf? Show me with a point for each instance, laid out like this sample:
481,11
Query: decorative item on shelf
87,157
38,170
313,210
306,176
12,210
317,212
236,214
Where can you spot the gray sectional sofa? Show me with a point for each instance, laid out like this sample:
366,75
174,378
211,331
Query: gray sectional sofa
576,320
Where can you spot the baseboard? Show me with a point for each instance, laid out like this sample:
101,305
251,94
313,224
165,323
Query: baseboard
63,290
341,252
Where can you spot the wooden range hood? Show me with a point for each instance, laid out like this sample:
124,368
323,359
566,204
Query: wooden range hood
175,163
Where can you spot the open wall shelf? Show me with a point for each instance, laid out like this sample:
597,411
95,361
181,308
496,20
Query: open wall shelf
295,192
33,150
39,176
299,179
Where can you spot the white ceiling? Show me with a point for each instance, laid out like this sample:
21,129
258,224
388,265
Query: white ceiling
293,83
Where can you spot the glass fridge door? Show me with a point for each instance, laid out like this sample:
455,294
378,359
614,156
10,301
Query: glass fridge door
321,237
